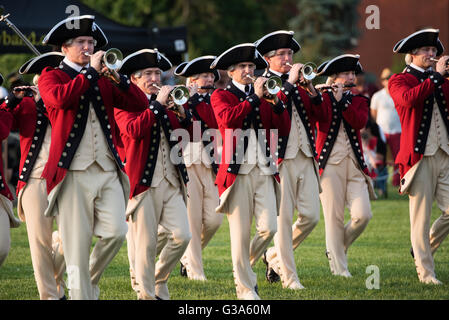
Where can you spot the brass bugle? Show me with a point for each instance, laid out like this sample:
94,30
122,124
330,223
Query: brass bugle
308,70
112,58
180,94
273,84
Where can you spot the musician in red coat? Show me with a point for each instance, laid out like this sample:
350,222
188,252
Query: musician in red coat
84,173
157,175
30,120
7,218
247,180
200,157
420,94
298,168
344,179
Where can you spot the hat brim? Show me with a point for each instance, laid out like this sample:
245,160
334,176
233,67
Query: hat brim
277,40
37,64
143,59
359,68
197,66
245,52
342,63
422,38
74,27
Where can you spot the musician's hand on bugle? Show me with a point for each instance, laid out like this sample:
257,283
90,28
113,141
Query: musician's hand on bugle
111,74
441,66
259,86
175,108
163,94
294,73
96,61
178,110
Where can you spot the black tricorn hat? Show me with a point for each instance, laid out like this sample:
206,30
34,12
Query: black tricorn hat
142,59
277,40
342,63
37,64
245,52
197,66
73,27
418,39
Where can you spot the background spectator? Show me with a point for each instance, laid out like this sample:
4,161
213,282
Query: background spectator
386,116
375,152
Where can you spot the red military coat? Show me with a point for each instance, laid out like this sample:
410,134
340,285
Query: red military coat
412,92
231,108
5,127
353,111
30,119
140,135
63,91
202,110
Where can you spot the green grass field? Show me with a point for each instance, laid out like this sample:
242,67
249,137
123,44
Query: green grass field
385,243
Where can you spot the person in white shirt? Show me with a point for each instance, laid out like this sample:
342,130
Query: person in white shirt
386,116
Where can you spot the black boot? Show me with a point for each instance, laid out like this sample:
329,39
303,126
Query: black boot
270,274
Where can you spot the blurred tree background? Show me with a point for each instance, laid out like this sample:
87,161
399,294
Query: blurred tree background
324,28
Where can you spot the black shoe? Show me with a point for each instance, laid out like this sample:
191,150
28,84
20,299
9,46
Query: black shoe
412,253
256,288
157,298
270,274
183,270
63,298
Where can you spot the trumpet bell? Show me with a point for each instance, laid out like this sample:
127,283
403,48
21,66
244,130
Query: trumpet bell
273,85
309,71
180,95
113,59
